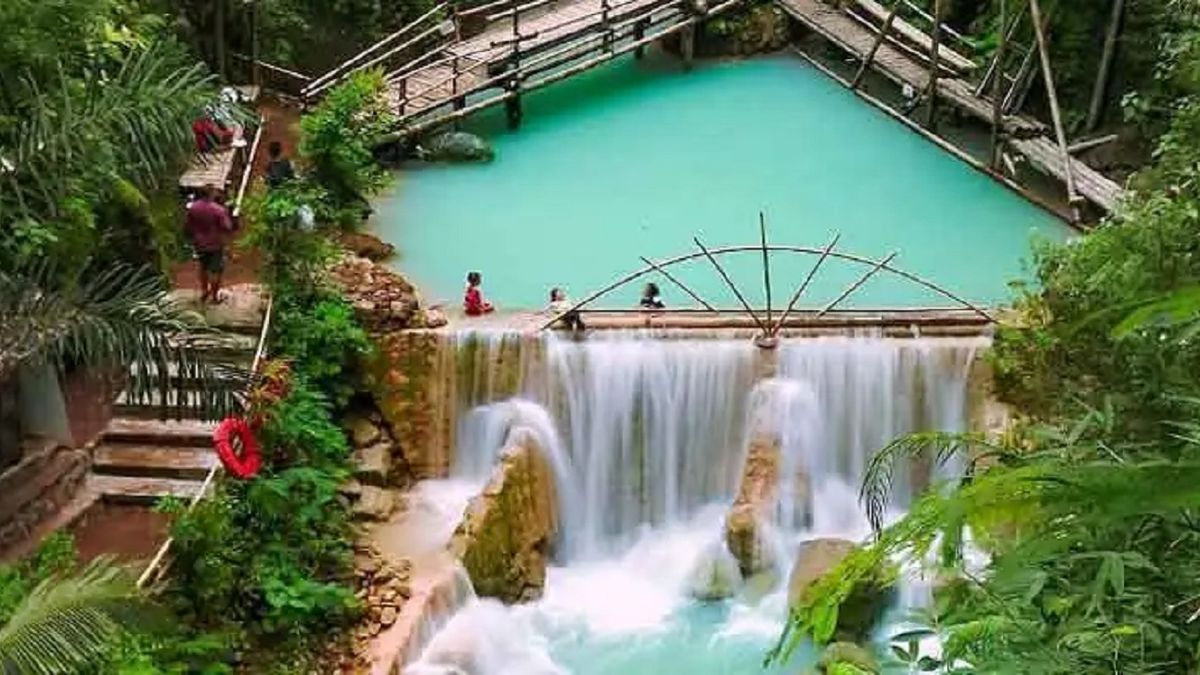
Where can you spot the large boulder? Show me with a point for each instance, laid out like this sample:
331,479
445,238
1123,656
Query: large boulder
715,575
507,531
383,299
455,146
859,613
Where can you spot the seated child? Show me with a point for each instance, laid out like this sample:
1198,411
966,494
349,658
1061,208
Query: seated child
558,305
473,301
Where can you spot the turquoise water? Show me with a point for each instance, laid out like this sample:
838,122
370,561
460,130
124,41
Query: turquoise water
637,158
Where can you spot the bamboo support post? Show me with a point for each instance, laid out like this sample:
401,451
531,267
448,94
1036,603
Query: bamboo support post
639,32
732,286
670,277
879,39
934,66
997,75
1055,113
1106,61
608,37
762,230
687,45
804,285
857,284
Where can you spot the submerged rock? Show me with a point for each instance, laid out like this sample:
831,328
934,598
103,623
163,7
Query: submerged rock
455,146
715,576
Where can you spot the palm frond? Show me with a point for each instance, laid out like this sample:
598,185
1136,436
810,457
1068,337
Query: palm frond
67,622
134,121
876,487
121,319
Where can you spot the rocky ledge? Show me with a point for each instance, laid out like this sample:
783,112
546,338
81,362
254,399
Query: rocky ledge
754,506
383,299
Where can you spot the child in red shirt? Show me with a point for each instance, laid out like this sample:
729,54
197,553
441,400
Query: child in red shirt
473,301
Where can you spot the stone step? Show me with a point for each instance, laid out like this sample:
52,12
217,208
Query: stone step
149,461
142,490
176,433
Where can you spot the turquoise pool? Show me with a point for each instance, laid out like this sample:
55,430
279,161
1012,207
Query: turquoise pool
639,157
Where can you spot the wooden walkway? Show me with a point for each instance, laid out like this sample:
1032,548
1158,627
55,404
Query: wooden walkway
1028,136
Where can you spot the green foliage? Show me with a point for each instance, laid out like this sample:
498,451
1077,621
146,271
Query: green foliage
55,555
268,554
68,622
338,140
95,113
325,344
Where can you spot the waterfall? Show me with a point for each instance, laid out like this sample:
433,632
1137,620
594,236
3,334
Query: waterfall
647,438
649,425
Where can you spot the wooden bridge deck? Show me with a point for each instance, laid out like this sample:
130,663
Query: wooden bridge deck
1030,137
472,60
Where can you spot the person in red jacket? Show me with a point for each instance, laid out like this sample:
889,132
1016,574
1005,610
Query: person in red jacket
473,301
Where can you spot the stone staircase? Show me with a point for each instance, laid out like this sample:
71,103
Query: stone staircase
155,448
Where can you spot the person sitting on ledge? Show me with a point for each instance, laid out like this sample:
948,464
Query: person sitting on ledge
473,301
559,306
650,297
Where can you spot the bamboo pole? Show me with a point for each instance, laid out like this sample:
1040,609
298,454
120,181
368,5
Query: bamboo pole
1106,61
1055,113
732,286
870,57
1089,143
670,277
804,285
762,231
997,86
857,284
934,66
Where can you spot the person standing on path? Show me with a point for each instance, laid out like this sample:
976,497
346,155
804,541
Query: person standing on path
207,227
279,169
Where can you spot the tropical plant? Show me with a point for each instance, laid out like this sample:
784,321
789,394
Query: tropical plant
69,622
117,319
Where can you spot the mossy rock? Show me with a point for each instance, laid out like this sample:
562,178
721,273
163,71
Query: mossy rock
456,146
847,658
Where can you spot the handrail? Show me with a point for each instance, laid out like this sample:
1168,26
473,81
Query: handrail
528,67
388,54
241,193
271,66
156,566
336,70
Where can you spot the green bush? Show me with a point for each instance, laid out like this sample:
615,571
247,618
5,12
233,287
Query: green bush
338,140
324,342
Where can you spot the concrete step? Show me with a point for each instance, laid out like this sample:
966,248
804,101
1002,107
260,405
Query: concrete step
141,490
175,433
151,461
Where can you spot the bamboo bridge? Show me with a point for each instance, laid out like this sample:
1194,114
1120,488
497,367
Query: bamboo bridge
459,58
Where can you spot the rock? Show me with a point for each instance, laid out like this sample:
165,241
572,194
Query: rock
375,503
814,559
350,488
372,464
388,617
847,653
366,564
506,532
365,245
862,609
746,524
362,431
455,146
383,299
715,575
433,317
753,30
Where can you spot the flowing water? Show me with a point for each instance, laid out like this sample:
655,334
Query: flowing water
636,158
646,438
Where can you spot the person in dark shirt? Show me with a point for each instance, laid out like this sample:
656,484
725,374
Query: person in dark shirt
207,226
650,299
279,169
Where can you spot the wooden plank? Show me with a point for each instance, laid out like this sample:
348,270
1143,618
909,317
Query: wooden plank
136,490
174,432
153,461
